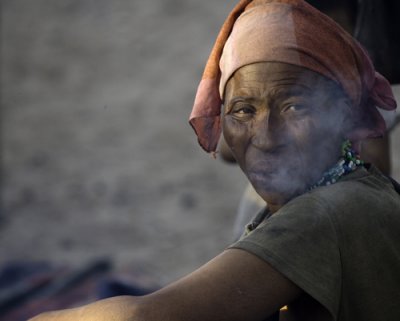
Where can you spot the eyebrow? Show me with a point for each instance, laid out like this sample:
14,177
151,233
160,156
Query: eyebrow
275,94
292,90
228,105
249,99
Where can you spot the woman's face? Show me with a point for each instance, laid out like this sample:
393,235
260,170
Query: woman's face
284,126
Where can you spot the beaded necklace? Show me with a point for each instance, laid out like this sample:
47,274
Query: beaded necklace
348,162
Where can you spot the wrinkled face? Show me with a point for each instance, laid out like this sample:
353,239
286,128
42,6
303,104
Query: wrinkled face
285,126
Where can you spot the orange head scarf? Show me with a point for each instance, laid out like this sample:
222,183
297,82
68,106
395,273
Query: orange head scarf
293,32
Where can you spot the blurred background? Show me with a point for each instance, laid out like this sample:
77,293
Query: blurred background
98,160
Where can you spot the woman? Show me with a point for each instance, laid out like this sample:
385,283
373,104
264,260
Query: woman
369,22
298,94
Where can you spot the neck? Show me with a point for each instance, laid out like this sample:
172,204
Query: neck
275,202
274,207
346,164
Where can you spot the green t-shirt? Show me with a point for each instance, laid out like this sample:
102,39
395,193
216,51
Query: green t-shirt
341,245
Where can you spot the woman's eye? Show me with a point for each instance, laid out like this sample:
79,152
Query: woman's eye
294,108
242,111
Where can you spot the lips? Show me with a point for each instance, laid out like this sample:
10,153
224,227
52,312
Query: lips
268,165
262,174
270,170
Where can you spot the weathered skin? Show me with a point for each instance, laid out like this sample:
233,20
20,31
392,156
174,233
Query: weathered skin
285,126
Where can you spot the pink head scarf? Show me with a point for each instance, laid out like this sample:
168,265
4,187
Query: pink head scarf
293,32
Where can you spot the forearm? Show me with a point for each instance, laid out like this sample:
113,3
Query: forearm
122,308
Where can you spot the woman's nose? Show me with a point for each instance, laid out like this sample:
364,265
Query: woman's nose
267,132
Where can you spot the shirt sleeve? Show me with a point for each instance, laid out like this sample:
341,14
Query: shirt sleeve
300,242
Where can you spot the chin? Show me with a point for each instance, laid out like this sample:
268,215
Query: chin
275,187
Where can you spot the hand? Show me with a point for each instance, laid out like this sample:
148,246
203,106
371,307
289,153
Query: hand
120,308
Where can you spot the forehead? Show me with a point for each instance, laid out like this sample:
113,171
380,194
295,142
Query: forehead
259,79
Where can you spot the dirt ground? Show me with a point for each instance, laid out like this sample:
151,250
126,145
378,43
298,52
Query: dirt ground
98,159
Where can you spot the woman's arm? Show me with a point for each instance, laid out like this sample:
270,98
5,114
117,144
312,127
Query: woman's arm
122,308
236,285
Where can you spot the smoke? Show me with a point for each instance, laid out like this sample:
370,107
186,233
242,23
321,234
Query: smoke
284,151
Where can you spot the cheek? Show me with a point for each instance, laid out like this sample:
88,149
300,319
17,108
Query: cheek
317,144
236,136
301,133
304,137
311,131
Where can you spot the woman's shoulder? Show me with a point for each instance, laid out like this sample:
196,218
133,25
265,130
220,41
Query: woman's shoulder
360,188
361,194
365,197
